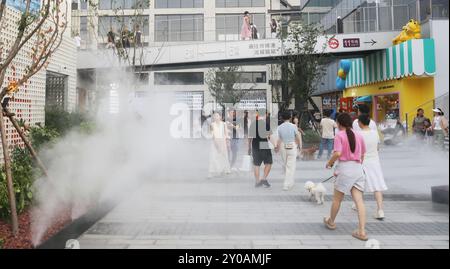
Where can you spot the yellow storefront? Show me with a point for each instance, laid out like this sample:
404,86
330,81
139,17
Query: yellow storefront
396,81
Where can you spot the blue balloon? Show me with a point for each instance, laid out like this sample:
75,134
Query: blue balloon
346,65
340,84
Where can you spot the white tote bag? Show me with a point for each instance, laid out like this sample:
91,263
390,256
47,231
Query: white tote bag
246,163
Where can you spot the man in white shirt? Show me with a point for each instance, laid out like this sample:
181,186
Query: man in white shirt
327,127
364,109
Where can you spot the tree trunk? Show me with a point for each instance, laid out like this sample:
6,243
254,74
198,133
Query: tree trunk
27,142
9,180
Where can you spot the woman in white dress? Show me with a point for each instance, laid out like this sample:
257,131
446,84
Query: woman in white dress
372,167
218,160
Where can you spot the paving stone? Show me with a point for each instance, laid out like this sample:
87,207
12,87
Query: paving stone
185,210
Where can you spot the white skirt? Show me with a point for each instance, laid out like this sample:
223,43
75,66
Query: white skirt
374,176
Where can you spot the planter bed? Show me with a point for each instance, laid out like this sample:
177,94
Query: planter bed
23,240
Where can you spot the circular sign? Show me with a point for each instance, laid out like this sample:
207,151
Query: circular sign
333,43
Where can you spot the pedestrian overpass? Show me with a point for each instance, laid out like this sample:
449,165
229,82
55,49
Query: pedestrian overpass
206,54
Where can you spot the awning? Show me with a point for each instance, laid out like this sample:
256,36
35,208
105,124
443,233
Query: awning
367,98
413,57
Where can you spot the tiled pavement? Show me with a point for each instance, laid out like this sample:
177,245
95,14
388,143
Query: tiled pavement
183,209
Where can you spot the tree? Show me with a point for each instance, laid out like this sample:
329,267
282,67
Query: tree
303,64
223,84
42,31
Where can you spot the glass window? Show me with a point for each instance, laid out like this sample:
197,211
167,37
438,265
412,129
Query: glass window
83,4
385,18
252,77
83,28
401,17
228,26
161,28
179,4
161,4
440,9
425,10
117,4
179,28
105,23
123,4
182,78
240,3
104,4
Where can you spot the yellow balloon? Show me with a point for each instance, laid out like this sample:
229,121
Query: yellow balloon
342,74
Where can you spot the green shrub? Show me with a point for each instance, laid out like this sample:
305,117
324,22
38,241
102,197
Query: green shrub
2,242
23,177
62,121
41,136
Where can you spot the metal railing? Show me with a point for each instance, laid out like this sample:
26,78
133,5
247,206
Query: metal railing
441,101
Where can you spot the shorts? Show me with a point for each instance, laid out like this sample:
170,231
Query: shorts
262,155
349,174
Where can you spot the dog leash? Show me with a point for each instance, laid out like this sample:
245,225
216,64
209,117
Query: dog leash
328,179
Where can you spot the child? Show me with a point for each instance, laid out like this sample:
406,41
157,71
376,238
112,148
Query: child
372,168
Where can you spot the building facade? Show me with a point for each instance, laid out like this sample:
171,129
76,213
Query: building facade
54,85
166,22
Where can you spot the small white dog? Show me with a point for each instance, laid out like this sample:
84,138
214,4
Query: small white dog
317,191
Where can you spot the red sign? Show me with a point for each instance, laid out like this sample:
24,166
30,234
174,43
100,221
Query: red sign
351,43
333,43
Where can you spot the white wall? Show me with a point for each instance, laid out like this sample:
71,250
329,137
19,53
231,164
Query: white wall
440,32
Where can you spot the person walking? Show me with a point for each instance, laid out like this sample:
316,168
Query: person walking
372,167
327,126
125,37
137,36
439,127
418,123
234,140
349,150
111,37
273,28
218,160
363,109
260,150
246,31
288,141
254,31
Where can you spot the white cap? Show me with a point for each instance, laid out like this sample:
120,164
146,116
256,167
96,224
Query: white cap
437,110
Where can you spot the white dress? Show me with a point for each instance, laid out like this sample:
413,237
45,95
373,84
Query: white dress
371,165
218,160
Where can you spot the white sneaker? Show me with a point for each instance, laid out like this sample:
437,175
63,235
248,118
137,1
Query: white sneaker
379,215
354,207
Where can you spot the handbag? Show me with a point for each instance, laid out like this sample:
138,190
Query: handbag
246,163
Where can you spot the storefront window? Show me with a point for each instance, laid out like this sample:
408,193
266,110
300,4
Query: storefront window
387,107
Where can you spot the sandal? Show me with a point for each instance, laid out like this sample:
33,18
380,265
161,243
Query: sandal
326,221
357,235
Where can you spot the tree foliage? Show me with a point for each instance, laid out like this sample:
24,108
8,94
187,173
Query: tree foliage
223,84
304,61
